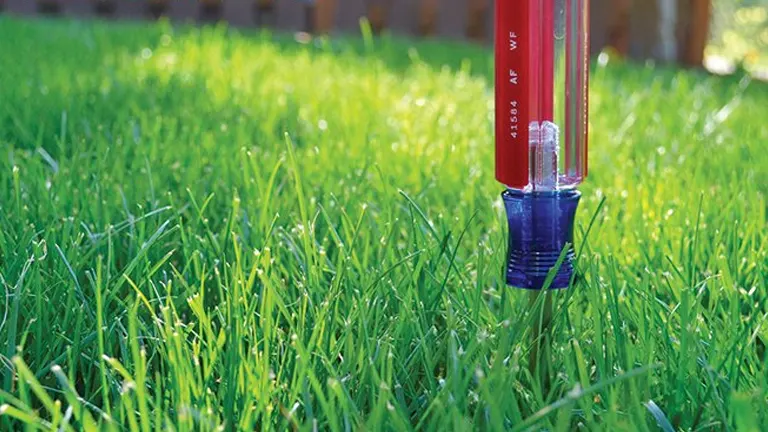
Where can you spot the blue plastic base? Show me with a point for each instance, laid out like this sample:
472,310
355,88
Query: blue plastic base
540,226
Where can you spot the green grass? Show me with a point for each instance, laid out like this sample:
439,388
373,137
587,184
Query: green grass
170,260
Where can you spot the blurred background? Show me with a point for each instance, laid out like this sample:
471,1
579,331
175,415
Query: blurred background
721,35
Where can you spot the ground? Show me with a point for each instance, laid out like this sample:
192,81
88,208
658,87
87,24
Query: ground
211,228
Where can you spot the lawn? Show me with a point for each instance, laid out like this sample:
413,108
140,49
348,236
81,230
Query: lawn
209,228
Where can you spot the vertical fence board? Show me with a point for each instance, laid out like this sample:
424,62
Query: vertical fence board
403,17
21,6
104,7
619,22
452,21
324,16
696,35
211,10
156,8
349,14
264,12
131,9
683,20
477,19
644,29
49,7
184,10
239,13
490,23
427,21
598,12
291,15
378,14
79,8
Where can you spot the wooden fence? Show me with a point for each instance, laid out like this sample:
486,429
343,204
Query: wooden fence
631,26
448,18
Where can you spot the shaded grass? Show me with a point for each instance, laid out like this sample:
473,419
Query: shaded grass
203,228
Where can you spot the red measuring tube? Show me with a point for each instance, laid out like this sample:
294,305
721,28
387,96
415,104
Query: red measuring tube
542,63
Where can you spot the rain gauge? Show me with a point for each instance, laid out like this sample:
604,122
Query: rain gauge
542,68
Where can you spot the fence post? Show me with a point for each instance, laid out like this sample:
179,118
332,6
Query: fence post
427,23
644,29
292,15
348,15
263,12
77,8
324,16
452,19
477,11
695,32
618,26
48,7
378,10
104,7
157,8
210,9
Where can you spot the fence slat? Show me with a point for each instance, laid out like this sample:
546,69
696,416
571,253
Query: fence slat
378,14
291,15
264,12
490,22
618,25
156,8
428,13
79,8
349,14
452,20
600,12
239,13
403,17
477,20
131,9
184,10
697,32
324,16
644,30
104,7
21,6
51,7
211,10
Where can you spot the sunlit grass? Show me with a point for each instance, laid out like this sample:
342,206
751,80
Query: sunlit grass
204,229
